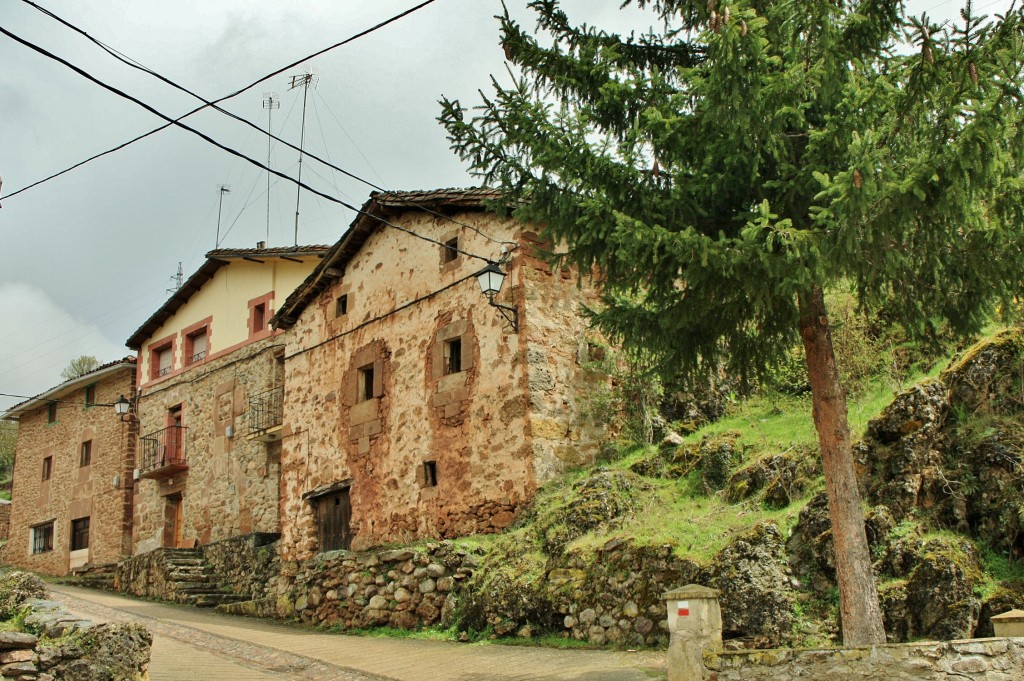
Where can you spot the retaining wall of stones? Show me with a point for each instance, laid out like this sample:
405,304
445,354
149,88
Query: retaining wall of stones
404,588
247,565
992,659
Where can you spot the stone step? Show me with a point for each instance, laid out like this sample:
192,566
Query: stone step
187,574
185,562
212,600
261,607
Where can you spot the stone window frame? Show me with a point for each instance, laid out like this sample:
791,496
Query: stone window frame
80,531
354,390
188,339
428,474
85,454
51,413
457,330
47,470
260,308
41,537
90,395
156,349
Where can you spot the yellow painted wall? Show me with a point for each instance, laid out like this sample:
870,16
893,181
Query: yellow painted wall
226,298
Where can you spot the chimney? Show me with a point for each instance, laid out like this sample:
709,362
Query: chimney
261,245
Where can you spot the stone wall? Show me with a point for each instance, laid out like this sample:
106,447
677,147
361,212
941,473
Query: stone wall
247,565
999,659
147,575
404,588
101,491
473,428
231,485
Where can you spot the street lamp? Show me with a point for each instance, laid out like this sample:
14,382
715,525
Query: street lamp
122,407
490,279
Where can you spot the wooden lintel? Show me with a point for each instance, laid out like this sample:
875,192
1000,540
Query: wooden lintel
253,259
334,272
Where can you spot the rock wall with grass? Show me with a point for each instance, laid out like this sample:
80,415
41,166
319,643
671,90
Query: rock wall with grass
247,565
55,644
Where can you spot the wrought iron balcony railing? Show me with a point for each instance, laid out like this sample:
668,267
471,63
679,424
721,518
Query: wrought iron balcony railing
266,414
163,452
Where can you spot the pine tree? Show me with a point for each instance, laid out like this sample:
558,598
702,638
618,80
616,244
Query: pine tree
721,172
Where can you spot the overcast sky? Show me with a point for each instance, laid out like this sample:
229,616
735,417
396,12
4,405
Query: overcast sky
86,258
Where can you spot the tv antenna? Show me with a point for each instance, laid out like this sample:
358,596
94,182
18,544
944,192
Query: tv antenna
177,279
270,102
224,189
303,81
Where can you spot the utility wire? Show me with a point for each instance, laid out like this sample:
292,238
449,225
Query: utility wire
170,121
125,59
134,64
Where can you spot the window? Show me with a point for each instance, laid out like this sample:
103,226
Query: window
85,457
341,306
334,511
90,395
430,474
51,412
47,467
42,538
365,383
259,317
161,359
453,356
450,250
196,345
79,534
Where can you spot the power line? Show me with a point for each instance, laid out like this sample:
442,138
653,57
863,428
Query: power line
134,64
125,59
120,93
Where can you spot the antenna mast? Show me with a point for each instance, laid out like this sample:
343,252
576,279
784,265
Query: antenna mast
224,189
177,279
270,102
304,81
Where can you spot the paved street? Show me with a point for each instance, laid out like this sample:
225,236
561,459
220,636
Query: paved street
193,644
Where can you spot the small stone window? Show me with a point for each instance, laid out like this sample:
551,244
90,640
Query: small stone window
365,386
450,250
47,468
341,306
79,534
42,538
90,395
51,412
85,456
430,474
453,355
259,318
196,345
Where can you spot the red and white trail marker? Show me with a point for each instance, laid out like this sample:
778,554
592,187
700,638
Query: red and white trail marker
684,608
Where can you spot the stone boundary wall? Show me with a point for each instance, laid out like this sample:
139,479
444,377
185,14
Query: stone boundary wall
5,519
992,659
73,647
147,575
247,565
403,588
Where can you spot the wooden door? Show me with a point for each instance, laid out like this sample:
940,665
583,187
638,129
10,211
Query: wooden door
334,513
173,521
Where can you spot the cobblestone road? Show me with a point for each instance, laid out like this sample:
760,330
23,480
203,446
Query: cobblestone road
191,644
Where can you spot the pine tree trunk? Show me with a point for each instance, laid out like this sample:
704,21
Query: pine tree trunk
858,597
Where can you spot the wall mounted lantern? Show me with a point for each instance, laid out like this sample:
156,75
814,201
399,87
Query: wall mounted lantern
124,407
490,279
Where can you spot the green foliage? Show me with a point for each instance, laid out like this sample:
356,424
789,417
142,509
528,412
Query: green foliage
79,367
716,171
623,391
15,588
8,440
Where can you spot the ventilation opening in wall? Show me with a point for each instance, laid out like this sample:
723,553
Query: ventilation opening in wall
453,356
430,474
341,306
450,250
366,383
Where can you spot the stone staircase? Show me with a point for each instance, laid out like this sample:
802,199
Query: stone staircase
191,580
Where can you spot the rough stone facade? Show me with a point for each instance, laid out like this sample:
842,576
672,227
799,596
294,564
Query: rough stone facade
1000,659
5,519
418,442
231,484
247,565
71,486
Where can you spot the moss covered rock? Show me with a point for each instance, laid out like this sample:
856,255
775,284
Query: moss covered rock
778,479
16,588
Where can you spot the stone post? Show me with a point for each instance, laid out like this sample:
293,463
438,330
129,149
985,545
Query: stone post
695,625
1009,624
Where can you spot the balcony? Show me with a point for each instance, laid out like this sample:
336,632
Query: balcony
266,414
163,453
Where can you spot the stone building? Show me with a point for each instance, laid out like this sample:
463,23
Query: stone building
210,378
72,494
414,408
